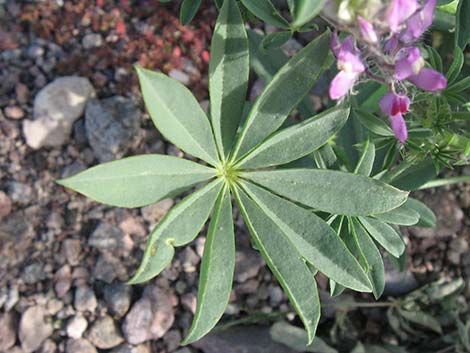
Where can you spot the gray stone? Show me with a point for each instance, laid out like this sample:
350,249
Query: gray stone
111,127
108,267
106,237
104,333
399,283
48,346
92,40
34,328
33,273
189,259
180,76
243,339
155,212
183,350
172,339
85,299
72,248
247,265
80,346
56,107
20,193
118,299
151,316
76,326
5,205
127,348
14,112
7,331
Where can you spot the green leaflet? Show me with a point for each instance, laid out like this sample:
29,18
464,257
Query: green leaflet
275,40
331,191
217,268
373,123
306,10
427,218
138,181
266,11
462,26
366,163
179,227
385,235
372,255
422,319
228,73
313,238
188,10
177,115
284,261
296,141
292,82
403,215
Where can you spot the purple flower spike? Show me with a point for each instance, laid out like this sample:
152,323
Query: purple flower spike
419,22
367,30
395,106
410,62
349,64
429,80
399,11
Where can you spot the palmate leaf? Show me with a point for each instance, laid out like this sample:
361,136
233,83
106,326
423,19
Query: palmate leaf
313,238
385,235
138,181
179,227
403,215
284,261
228,75
331,191
293,81
177,115
296,141
217,268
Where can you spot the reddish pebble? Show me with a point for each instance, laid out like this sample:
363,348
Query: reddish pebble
5,205
14,112
205,56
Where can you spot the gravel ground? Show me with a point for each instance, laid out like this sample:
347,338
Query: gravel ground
69,100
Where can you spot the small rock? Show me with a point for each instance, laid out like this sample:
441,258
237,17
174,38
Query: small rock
155,212
247,265
256,89
180,76
399,283
22,93
127,348
85,299
457,248
72,248
14,112
34,328
80,346
150,317
20,193
106,237
108,267
5,205
49,346
275,295
111,126
33,273
35,51
118,299
183,350
130,225
104,334
56,107
92,40
189,259
7,331
63,281
172,339
76,327
54,306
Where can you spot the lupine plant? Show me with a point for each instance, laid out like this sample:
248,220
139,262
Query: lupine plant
317,196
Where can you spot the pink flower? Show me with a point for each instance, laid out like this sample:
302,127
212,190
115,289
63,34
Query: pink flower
367,30
399,11
349,64
419,22
395,106
410,66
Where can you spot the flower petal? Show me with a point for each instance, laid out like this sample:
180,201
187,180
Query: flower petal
367,30
348,58
399,127
399,11
342,84
419,22
429,80
393,104
410,62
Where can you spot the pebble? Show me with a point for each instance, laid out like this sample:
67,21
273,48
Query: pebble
7,331
76,326
104,334
118,298
49,346
20,193
399,283
56,107
34,328
172,339
14,112
247,265
183,350
85,299
5,205
108,267
33,273
92,40
72,248
155,212
151,316
457,248
189,259
63,281
127,348
112,127
106,237
180,76
80,346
